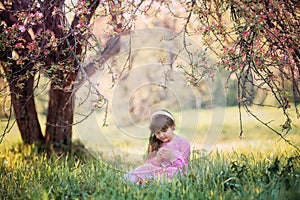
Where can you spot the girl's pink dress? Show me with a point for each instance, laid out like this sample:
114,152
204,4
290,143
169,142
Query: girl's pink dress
152,169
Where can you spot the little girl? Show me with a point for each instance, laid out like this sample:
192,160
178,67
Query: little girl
167,153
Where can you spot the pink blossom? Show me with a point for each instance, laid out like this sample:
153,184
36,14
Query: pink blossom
245,34
30,46
20,61
40,15
103,45
22,28
79,11
19,45
78,25
263,16
204,28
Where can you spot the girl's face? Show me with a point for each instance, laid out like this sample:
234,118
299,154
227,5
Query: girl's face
165,136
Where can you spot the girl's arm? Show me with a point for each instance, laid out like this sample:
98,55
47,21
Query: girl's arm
180,156
153,159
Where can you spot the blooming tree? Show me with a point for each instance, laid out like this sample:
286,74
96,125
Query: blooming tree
258,42
51,38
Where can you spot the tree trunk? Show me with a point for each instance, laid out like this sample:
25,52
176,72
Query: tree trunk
59,119
25,111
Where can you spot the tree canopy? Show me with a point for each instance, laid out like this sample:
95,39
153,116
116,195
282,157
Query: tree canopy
258,42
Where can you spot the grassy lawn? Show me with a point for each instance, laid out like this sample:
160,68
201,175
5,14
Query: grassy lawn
261,166
28,175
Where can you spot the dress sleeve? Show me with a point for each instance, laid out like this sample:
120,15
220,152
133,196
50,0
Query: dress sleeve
181,156
181,153
153,160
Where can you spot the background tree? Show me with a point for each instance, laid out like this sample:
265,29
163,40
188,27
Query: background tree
51,38
258,42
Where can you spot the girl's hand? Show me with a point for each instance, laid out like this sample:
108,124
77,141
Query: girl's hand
166,154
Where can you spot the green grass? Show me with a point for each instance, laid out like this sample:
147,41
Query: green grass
25,174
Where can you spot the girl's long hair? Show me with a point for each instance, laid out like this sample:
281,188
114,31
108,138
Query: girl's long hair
159,122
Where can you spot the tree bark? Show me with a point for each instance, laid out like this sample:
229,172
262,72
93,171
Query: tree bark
59,120
25,111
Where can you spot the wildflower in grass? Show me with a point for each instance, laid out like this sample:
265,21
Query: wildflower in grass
5,162
167,154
